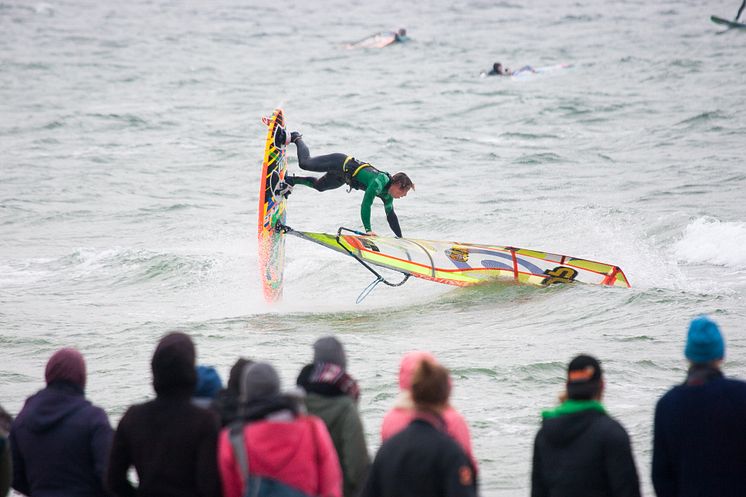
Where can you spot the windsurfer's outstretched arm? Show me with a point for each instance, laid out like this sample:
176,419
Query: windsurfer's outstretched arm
392,219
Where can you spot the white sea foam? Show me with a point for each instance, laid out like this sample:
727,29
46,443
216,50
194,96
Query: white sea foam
709,241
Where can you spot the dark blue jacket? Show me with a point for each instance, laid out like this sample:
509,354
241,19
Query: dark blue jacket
60,444
699,443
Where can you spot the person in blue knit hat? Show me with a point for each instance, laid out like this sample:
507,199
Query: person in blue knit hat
699,439
208,386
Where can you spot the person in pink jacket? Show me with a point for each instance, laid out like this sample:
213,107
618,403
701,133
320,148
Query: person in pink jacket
403,411
282,444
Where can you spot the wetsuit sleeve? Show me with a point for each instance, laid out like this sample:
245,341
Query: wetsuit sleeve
388,205
374,189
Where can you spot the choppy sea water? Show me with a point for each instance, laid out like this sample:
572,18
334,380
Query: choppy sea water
130,142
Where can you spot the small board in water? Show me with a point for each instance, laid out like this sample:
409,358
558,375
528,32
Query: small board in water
272,210
726,22
526,73
378,40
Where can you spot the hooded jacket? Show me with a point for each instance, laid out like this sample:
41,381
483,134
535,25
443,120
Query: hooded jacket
421,461
60,444
339,412
403,411
581,451
170,441
293,449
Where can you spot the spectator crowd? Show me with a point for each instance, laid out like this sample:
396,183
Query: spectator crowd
198,438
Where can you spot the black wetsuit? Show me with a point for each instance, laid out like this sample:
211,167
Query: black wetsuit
341,169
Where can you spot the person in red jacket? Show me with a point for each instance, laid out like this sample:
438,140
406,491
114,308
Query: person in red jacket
280,446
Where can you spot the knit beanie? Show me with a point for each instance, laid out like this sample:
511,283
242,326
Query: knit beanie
66,365
173,365
704,342
260,380
329,349
208,382
583,377
409,364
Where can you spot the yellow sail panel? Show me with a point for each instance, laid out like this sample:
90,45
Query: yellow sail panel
465,264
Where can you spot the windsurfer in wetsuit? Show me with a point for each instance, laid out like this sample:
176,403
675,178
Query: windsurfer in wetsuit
341,169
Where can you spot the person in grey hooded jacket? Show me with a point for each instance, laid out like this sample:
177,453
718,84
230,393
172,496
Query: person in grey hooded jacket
332,395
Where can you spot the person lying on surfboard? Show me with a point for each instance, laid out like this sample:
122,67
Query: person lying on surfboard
381,39
340,169
401,34
499,70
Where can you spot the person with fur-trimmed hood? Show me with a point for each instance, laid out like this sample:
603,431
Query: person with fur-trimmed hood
332,395
580,450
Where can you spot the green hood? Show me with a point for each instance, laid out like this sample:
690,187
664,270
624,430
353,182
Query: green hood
573,406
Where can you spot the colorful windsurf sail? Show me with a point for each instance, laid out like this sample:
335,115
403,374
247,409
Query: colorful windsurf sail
466,264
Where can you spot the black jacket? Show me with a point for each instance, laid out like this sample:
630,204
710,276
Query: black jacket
421,460
171,442
584,454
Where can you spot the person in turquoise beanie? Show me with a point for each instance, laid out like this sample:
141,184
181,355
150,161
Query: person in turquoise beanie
699,431
580,450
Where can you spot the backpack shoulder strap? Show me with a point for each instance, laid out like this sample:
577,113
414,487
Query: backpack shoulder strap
235,434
